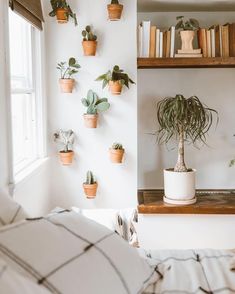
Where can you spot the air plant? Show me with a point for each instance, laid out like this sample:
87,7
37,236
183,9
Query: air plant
66,138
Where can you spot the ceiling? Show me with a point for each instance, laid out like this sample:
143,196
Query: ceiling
185,5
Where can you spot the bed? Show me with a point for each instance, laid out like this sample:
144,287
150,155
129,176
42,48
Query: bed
66,252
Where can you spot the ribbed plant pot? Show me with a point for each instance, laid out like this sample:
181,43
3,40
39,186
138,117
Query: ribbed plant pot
61,15
116,155
66,158
90,190
91,120
89,48
187,40
115,87
115,11
67,85
179,187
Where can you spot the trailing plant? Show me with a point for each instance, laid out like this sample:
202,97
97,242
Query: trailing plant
88,35
68,69
115,75
90,179
189,25
117,146
114,2
94,104
56,4
66,138
183,119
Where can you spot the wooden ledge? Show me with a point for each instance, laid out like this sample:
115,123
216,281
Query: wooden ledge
208,202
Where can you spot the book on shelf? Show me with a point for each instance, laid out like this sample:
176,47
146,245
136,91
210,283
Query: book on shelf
152,44
208,43
146,38
172,48
232,39
212,32
202,41
225,40
161,44
188,55
158,43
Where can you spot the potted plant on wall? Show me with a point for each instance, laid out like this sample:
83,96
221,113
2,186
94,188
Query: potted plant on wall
116,153
115,10
182,119
66,138
94,105
90,186
67,70
62,11
187,32
89,42
115,79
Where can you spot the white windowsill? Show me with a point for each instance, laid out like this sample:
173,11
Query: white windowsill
29,171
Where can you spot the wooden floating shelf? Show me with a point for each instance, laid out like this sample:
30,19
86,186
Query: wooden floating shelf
214,62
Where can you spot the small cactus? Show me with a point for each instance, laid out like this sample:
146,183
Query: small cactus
90,179
94,104
117,146
88,35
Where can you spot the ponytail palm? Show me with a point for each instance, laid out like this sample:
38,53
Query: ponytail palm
183,119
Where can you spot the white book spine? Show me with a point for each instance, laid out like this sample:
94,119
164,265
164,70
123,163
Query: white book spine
157,43
140,41
172,49
220,37
161,44
212,42
146,38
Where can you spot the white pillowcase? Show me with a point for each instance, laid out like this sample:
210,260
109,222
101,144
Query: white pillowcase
10,211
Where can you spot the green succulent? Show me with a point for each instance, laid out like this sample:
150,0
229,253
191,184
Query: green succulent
88,35
55,4
189,25
94,104
116,74
90,179
117,146
67,69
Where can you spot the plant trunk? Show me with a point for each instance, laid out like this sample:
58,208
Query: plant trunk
180,165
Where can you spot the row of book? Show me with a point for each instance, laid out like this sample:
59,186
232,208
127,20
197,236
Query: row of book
216,41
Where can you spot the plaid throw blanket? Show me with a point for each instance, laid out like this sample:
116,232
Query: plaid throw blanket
192,272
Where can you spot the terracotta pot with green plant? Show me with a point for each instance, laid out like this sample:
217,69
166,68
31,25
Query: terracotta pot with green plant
66,138
94,105
62,11
90,186
115,10
116,153
89,42
185,120
115,79
67,70
187,32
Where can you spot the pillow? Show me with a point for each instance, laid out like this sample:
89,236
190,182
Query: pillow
10,211
68,253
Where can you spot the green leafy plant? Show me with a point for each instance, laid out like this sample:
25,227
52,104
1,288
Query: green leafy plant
94,104
114,2
117,146
189,25
183,119
90,179
56,4
116,74
68,69
66,138
88,35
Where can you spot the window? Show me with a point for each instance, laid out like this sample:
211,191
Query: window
26,95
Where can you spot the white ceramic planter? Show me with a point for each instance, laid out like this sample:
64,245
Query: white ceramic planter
179,187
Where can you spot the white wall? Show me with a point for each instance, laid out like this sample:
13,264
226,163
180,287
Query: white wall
116,45
215,87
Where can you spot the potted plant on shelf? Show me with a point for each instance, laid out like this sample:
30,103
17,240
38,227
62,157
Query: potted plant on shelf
89,42
115,10
62,11
115,79
185,120
187,32
66,138
94,105
90,186
67,70
116,153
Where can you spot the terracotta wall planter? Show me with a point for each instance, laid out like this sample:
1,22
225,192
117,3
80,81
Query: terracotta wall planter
116,155
89,48
90,190
115,87
66,157
115,11
91,120
67,85
61,15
